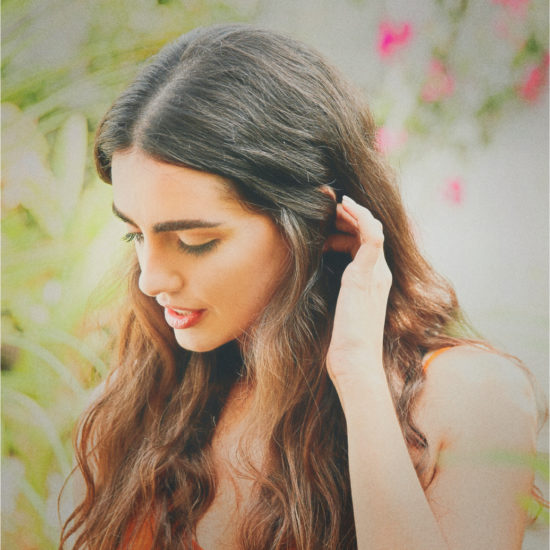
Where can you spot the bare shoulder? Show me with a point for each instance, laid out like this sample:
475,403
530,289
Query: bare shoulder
478,411
475,396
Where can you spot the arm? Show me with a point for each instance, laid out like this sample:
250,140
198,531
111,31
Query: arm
481,408
391,509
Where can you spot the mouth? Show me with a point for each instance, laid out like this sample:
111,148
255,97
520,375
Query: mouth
182,318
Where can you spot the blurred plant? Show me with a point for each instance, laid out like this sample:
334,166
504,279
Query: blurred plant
465,66
453,82
453,191
392,37
63,63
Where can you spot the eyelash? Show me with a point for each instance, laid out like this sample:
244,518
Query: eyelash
196,250
131,237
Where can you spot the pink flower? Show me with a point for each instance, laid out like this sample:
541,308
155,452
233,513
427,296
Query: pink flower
502,27
534,82
439,84
392,37
388,140
515,8
453,191
514,5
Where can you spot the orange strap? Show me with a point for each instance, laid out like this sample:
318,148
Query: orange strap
142,541
144,538
428,361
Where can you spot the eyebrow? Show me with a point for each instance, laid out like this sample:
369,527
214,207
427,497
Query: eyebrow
171,225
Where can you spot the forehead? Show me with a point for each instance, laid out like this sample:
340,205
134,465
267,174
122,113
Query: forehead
141,183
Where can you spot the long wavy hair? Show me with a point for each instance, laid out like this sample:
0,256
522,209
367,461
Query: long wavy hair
270,116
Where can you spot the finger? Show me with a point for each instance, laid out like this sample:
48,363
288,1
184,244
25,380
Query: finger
345,221
370,229
370,233
342,242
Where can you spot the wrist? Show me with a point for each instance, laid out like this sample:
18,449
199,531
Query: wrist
354,366
363,380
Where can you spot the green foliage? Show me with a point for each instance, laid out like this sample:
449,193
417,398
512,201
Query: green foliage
63,63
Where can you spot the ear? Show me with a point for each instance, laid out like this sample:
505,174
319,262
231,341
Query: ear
329,191
327,227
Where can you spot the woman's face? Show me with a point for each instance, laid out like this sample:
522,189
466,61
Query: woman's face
212,265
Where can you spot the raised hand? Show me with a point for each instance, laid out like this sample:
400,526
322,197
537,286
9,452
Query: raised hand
356,345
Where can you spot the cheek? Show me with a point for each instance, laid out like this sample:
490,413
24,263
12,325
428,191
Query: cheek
262,274
248,276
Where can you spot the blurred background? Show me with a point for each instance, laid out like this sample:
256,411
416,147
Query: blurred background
458,88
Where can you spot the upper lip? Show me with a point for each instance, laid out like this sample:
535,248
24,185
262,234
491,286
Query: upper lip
170,306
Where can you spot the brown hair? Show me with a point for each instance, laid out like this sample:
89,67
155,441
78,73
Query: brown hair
277,122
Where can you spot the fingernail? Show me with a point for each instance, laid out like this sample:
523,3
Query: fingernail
347,199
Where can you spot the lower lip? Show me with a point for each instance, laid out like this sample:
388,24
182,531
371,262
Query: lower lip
179,321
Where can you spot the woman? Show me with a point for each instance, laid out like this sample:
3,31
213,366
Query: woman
292,373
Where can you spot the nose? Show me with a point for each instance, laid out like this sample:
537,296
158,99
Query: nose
160,271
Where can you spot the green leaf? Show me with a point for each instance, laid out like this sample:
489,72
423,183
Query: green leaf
69,163
14,401
49,359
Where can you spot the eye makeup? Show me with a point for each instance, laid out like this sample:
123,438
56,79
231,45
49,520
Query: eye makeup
199,248
196,250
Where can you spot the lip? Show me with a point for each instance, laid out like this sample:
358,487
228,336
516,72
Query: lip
182,321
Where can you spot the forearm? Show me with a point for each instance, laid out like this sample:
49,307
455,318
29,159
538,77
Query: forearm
390,508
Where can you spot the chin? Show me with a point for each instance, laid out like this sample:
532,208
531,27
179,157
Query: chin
199,345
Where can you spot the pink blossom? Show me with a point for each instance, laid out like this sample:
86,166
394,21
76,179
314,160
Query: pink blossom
506,25
502,27
517,6
392,37
534,82
388,140
453,191
439,84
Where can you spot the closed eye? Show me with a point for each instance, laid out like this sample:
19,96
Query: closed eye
196,250
199,248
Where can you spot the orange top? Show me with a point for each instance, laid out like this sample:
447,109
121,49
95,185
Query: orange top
432,356
144,539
